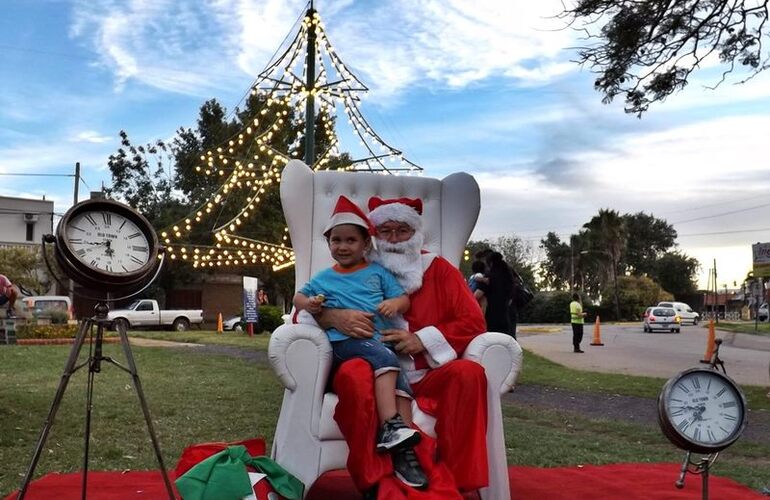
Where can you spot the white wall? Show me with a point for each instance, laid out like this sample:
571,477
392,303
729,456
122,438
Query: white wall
13,224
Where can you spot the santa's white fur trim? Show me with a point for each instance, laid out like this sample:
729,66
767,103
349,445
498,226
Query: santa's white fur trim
439,352
345,218
396,212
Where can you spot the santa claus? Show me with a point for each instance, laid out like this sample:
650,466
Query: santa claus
442,320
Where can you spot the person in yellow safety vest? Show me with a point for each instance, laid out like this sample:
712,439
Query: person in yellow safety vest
576,319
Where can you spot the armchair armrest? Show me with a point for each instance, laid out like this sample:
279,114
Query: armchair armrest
500,355
300,353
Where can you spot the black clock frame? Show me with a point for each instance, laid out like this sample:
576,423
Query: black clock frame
684,442
98,279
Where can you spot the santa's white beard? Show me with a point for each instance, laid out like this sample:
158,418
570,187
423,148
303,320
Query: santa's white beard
403,260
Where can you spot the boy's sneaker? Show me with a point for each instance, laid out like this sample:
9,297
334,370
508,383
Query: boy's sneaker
408,470
10,314
395,435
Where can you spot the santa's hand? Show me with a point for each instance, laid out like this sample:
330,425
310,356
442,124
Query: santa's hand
351,322
403,341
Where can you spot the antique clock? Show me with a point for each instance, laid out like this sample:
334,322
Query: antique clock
702,410
105,245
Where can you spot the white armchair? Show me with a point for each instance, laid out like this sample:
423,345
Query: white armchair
307,441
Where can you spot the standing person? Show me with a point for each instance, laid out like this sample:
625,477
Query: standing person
8,295
262,297
576,319
355,283
498,292
442,320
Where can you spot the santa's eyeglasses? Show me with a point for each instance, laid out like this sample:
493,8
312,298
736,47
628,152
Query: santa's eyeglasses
398,231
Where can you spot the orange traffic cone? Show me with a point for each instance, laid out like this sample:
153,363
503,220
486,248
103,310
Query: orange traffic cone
220,328
710,342
597,340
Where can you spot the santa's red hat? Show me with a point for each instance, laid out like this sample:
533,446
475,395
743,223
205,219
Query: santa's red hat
347,212
406,210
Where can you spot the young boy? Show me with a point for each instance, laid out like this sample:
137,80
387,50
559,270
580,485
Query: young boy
354,283
8,294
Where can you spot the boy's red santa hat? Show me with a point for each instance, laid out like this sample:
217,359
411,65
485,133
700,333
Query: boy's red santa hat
347,212
406,210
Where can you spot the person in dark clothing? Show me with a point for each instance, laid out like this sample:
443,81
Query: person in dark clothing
498,293
513,309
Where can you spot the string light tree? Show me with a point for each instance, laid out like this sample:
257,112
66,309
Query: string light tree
291,112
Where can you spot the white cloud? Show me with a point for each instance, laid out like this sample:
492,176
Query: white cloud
194,47
91,136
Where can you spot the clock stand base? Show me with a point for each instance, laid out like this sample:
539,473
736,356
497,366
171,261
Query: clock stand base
700,467
94,364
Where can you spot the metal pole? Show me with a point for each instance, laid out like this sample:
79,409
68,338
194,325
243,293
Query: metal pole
571,266
716,296
74,202
310,88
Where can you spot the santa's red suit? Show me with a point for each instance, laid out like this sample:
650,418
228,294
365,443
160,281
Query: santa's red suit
446,317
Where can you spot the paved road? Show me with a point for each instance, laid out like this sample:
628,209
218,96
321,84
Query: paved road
628,350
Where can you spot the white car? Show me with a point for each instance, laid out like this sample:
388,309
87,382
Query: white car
684,311
763,313
233,323
661,318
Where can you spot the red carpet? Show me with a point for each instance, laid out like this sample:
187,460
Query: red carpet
619,481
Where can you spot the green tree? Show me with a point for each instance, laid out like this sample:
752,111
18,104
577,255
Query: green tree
645,50
636,294
557,267
676,273
606,233
24,267
651,238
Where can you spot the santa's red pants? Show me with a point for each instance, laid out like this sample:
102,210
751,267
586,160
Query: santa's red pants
455,394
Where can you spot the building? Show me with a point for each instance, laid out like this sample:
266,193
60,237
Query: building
24,221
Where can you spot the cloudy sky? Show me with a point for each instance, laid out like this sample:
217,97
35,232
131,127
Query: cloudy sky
482,86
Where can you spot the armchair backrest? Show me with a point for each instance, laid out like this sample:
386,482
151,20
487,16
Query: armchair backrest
450,209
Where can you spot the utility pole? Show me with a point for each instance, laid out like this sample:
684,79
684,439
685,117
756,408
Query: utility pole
77,182
310,88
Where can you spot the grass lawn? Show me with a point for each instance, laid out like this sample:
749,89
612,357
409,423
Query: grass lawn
744,327
195,398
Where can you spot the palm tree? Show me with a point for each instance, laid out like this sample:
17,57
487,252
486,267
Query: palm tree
607,235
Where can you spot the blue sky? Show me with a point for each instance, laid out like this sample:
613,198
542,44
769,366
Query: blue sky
481,86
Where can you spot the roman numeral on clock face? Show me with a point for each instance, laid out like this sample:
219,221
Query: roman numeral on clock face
134,259
90,219
107,218
135,235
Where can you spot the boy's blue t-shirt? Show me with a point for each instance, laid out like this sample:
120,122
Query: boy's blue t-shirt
362,289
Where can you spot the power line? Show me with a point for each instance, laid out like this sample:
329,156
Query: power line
726,232
37,175
722,214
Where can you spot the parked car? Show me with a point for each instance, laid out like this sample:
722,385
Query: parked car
763,313
145,313
43,305
661,318
233,323
684,311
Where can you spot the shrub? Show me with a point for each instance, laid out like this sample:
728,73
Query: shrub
270,318
547,307
34,331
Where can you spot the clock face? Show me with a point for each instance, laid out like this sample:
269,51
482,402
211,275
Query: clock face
705,408
107,241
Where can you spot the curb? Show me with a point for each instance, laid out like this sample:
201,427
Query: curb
106,340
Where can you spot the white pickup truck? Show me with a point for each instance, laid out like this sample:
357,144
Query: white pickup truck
145,313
